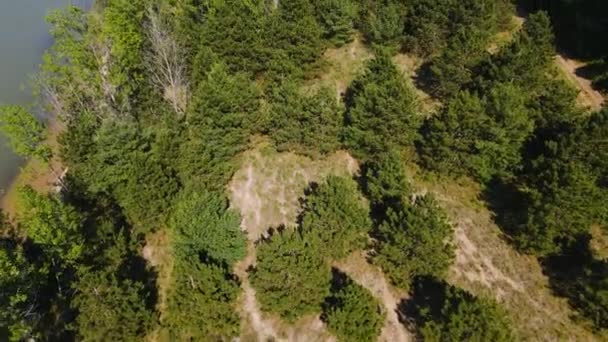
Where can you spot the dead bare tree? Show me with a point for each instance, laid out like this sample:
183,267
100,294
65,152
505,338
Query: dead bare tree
166,61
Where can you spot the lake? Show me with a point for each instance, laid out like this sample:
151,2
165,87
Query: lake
23,38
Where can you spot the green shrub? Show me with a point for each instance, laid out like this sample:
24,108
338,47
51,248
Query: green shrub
335,218
203,223
291,277
414,239
446,313
353,314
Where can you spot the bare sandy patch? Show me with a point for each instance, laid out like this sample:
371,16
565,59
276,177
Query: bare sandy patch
268,188
587,96
342,65
267,192
487,265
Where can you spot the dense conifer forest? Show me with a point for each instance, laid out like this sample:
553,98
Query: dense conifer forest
158,102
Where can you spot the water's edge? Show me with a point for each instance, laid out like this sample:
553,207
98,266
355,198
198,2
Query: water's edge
24,36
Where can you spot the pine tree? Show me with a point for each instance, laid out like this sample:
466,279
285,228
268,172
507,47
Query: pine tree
201,301
125,164
220,119
233,30
203,223
526,60
291,277
413,240
335,218
337,18
381,109
385,179
293,38
382,21
353,314
307,124
479,137
445,313
110,308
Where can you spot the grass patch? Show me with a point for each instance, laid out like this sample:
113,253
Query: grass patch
268,187
341,66
487,265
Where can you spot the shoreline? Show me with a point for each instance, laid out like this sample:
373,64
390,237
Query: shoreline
35,173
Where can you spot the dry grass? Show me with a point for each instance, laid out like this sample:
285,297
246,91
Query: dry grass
588,98
487,265
267,192
157,252
342,65
503,38
599,242
268,187
409,66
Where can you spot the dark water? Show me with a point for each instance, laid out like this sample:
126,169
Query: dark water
23,39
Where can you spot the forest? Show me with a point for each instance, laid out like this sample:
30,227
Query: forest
160,100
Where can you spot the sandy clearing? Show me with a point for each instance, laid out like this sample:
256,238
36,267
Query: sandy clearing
486,265
588,96
266,191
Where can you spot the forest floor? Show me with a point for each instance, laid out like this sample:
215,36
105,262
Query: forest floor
340,66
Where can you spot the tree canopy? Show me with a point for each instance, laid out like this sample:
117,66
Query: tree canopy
352,313
336,215
160,101
291,277
381,109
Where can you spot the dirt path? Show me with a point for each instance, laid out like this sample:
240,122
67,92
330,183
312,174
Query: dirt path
368,276
588,96
249,203
264,329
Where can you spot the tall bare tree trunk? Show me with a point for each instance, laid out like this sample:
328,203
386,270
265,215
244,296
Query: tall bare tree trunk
166,61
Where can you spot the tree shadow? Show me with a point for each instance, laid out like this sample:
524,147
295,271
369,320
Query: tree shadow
597,72
310,190
425,81
339,280
270,232
426,301
507,204
581,278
